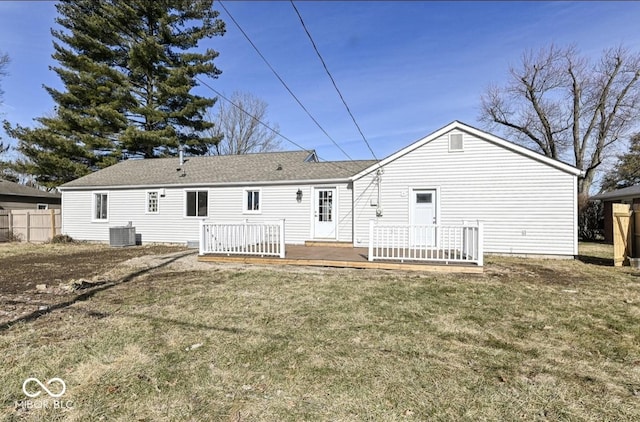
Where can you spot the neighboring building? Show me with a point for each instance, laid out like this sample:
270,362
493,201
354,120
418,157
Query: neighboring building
526,201
14,196
630,195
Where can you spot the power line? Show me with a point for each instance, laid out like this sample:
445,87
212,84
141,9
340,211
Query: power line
282,81
332,80
334,163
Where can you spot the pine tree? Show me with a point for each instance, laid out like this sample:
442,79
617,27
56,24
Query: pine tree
626,172
128,70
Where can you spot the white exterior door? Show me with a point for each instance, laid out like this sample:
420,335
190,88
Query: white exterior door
324,226
423,203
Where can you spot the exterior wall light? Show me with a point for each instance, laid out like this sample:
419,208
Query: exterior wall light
299,196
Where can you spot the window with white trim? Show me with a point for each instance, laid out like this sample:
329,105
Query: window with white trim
252,200
455,142
152,202
100,206
196,203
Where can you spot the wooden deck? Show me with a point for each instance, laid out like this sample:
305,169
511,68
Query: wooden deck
339,256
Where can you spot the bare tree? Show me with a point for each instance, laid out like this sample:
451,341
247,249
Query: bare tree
567,107
243,128
4,62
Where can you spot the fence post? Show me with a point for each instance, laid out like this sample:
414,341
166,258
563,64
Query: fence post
370,255
201,247
53,223
11,233
480,243
282,251
28,224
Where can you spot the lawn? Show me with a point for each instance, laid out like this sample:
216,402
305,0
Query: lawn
529,339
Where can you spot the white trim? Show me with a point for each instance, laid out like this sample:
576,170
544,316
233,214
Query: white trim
575,217
146,205
245,201
93,207
184,203
194,186
456,125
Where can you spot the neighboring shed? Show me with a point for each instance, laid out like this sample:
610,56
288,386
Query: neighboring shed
14,196
630,195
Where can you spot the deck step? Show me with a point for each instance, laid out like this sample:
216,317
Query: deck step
328,243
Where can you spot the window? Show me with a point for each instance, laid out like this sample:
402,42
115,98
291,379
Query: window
455,142
152,202
423,198
100,206
252,201
42,206
197,203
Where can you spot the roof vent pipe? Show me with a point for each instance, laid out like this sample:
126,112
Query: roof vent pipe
181,154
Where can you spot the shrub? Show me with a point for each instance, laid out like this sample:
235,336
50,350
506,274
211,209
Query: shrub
61,238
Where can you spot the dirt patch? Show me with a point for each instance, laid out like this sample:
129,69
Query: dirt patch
23,272
36,279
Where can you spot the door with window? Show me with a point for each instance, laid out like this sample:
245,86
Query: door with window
324,226
423,203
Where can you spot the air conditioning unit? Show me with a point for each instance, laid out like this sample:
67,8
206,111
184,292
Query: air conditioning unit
122,236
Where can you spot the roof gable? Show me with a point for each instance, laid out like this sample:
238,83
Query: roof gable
479,134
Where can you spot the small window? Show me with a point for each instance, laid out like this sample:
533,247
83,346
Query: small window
423,198
197,203
252,201
152,202
101,206
455,142
42,206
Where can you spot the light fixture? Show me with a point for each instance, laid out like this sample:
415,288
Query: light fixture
299,195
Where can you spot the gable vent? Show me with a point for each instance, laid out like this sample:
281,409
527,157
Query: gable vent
455,142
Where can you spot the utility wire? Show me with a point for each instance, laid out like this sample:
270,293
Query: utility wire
332,80
282,81
334,163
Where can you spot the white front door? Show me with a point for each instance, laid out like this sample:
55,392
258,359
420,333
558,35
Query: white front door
423,202
324,226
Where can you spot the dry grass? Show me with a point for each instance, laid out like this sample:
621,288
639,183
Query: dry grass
529,339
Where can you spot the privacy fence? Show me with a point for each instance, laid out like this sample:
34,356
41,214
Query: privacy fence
626,234
29,225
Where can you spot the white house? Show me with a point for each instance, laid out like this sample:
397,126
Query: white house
458,174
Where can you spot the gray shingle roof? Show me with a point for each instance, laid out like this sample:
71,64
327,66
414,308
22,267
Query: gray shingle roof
226,169
630,192
15,189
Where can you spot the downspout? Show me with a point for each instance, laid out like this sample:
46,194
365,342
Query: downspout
379,174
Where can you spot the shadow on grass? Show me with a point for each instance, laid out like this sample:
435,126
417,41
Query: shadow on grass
595,260
91,292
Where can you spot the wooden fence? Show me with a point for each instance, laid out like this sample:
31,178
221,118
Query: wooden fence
29,225
626,233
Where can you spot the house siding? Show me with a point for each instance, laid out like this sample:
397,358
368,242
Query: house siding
225,204
528,207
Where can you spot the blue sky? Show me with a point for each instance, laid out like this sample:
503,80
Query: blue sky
405,68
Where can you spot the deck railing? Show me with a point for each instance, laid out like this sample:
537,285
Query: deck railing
448,244
243,238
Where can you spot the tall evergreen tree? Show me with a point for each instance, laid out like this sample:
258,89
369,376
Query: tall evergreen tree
128,68
626,172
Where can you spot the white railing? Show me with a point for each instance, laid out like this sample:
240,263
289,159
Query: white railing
448,244
244,238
